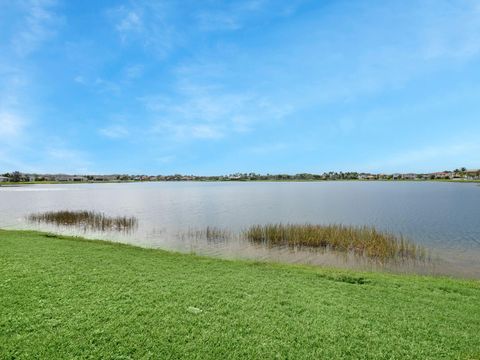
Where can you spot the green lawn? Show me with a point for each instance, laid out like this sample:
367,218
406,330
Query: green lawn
71,298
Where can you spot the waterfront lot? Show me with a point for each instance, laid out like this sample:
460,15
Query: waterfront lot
71,298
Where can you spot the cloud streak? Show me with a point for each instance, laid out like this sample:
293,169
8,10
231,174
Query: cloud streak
146,23
115,132
202,112
39,25
11,127
328,82
430,158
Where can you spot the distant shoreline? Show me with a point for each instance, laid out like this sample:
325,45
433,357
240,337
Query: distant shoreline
21,183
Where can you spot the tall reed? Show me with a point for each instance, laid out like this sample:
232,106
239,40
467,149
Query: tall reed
360,240
210,233
86,219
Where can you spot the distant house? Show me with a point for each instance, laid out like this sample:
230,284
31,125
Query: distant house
367,177
66,178
470,175
79,178
4,179
444,175
473,174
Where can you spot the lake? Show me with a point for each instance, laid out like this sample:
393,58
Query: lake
444,217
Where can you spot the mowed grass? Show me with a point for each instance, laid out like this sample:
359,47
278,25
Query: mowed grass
71,298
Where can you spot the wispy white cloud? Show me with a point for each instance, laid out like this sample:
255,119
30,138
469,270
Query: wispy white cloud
210,112
133,72
215,21
101,85
115,131
236,15
338,65
205,131
114,86
129,21
188,131
449,30
166,159
455,153
63,160
10,162
79,79
268,149
12,81
333,66
28,155
106,86
202,97
145,23
11,126
40,24
36,22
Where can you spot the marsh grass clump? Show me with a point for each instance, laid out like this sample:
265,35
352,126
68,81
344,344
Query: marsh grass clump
90,220
360,240
211,234
216,234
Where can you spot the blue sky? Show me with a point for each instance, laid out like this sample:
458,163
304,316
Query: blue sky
216,87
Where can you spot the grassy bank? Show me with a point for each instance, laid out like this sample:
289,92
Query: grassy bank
71,298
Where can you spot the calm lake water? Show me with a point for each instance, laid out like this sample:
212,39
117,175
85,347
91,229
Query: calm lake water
444,217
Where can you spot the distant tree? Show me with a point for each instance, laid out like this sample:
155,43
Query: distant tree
15,176
464,169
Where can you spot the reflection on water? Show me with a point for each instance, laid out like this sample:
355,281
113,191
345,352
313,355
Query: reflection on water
443,217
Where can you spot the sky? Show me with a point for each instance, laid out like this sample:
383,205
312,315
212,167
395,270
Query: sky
218,87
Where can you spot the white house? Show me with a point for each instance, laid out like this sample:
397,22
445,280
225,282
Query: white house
4,179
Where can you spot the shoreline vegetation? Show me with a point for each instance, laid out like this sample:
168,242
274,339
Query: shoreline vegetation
363,241
87,220
68,297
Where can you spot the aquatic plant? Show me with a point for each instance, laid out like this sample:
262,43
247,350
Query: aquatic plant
210,233
216,234
360,240
86,219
